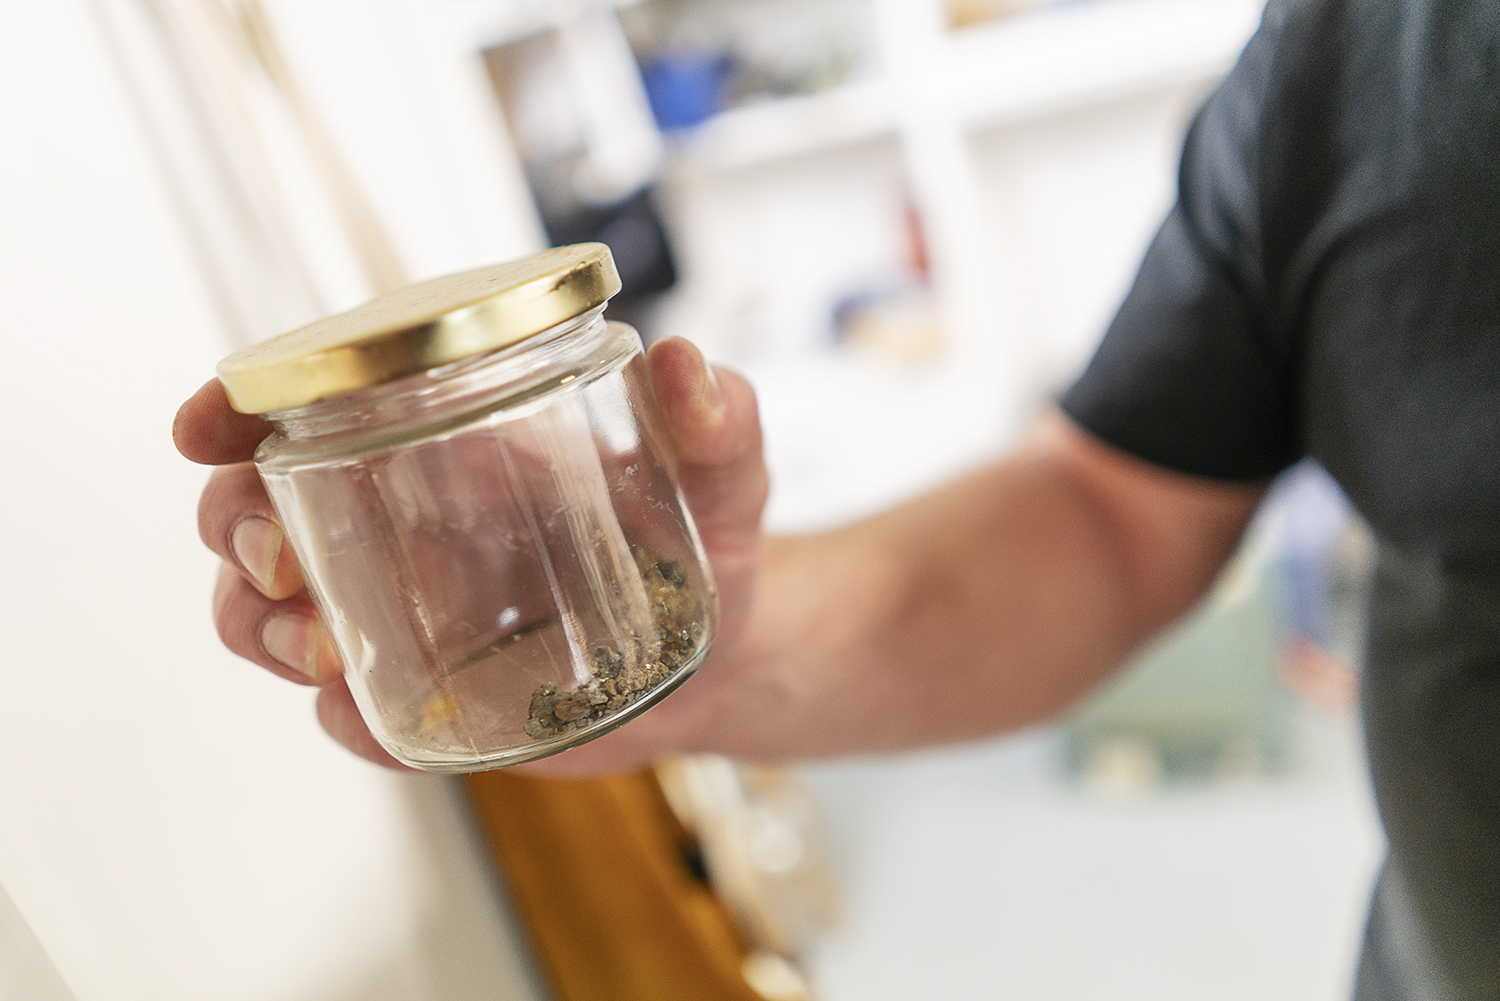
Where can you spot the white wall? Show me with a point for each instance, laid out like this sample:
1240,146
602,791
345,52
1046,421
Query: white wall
173,825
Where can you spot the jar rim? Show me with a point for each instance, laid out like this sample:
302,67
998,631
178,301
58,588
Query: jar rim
420,327
436,401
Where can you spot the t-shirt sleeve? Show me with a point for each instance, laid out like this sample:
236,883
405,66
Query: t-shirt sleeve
1191,374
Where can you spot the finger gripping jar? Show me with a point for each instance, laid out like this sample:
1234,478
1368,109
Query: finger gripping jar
476,479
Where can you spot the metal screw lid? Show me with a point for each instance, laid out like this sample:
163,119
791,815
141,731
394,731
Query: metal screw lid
420,327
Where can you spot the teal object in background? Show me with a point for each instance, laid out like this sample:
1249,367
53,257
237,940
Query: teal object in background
1204,701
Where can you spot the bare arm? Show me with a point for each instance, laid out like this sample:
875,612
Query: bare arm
987,605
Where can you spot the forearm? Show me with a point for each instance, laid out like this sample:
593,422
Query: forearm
990,604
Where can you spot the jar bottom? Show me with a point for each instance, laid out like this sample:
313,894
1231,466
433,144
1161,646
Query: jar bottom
480,761
471,719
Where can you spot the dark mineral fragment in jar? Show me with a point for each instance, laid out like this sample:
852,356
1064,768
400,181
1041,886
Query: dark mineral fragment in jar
617,679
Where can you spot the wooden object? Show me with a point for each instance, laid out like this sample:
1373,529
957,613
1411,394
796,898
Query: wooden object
603,875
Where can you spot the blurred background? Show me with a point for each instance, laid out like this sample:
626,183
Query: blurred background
907,221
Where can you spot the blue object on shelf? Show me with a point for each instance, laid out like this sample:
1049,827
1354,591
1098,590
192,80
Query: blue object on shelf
686,87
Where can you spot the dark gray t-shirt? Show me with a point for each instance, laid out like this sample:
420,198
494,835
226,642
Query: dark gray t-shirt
1328,285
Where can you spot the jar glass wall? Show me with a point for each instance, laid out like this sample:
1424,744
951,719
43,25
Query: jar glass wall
498,546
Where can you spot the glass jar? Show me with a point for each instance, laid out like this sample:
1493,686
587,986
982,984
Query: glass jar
476,479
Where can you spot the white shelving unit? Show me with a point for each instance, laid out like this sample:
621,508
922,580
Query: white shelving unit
777,131
1044,62
940,88
1059,58
1037,151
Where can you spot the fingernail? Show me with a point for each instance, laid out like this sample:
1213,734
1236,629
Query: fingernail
257,544
301,643
712,394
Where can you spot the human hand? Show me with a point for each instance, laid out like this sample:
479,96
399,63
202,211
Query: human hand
264,613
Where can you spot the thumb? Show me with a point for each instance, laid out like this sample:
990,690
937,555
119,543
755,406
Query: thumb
715,428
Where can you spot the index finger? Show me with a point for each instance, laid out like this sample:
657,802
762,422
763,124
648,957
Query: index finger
208,430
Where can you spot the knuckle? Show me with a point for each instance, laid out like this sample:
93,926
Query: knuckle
240,613
236,614
232,494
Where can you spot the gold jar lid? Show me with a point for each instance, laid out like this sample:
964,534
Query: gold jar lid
420,327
